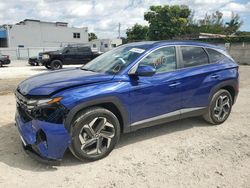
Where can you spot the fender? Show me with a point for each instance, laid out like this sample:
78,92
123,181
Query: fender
95,102
232,82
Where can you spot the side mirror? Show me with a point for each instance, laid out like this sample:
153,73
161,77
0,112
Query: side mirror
66,51
145,71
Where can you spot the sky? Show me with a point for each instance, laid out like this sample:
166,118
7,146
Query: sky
102,16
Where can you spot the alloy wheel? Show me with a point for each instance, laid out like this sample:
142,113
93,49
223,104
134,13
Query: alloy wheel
222,107
96,136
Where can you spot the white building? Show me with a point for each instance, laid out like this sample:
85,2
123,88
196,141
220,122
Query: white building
104,45
36,33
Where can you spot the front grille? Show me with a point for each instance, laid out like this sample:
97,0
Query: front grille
23,114
22,107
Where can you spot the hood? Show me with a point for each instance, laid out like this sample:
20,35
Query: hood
50,52
48,83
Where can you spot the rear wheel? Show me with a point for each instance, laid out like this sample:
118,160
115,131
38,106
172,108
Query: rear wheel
95,133
1,63
219,108
56,64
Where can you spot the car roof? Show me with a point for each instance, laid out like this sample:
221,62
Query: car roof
153,44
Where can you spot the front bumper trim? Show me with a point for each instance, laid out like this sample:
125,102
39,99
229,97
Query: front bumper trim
33,154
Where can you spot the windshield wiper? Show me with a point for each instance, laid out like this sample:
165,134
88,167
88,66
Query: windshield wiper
87,69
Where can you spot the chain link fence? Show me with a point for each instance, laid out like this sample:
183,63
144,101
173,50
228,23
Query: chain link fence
25,53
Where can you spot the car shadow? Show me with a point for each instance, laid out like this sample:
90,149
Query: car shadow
12,154
159,130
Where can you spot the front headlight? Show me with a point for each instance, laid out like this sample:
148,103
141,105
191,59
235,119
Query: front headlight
45,56
43,102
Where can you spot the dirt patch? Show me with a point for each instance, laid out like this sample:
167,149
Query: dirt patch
8,86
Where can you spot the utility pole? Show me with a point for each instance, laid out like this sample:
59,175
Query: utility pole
119,30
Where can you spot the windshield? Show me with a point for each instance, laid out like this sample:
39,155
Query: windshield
114,61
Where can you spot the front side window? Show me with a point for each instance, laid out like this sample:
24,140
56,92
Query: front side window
83,49
163,60
214,55
69,50
193,56
72,50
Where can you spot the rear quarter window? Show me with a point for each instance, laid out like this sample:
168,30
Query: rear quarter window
215,56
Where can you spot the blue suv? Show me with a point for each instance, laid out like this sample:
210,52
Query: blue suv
130,87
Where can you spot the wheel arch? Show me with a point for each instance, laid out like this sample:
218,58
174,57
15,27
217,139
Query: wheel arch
112,104
230,85
55,58
231,90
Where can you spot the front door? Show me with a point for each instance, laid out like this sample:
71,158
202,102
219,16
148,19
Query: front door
84,54
70,56
156,98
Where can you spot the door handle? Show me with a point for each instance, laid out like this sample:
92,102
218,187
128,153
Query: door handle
174,84
215,76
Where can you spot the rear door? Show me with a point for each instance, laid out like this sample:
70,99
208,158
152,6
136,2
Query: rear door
197,77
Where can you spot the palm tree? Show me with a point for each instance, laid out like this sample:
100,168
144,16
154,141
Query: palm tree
233,25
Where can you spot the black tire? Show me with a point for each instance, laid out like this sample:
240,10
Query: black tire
1,63
56,64
86,135
47,66
219,108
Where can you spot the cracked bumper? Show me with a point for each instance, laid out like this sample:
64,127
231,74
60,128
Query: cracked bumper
49,149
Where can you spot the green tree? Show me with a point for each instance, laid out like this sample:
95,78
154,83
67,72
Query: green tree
167,22
212,23
233,25
92,36
137,33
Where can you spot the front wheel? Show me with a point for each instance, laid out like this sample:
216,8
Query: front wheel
47,66
56,64
219,108
94,132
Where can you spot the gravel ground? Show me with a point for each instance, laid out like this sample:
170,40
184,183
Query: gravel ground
185,153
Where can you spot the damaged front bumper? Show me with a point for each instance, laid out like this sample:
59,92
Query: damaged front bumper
44,141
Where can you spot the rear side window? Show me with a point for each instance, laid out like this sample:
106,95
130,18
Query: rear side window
193,56
214,55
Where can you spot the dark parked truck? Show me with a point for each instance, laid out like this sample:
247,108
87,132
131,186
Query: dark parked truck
67,56
4,60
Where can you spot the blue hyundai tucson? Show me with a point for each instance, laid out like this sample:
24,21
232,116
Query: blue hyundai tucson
130,87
